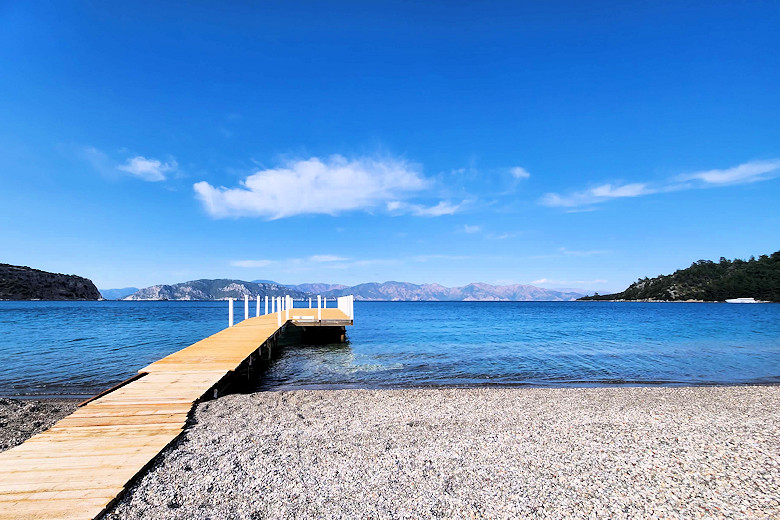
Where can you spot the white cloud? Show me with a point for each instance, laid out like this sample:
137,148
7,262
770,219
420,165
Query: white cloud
500,236
314,186
251,263
425,258
327,258
442,208
418,210
596,195
151,170
519,172
744,173
471,229
748,172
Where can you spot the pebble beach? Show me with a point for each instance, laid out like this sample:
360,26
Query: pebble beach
20,419
660,452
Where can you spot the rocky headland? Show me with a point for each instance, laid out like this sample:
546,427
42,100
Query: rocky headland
24,283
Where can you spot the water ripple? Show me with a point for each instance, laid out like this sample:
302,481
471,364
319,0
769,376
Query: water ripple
83,347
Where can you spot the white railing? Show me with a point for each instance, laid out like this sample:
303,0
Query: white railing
346,304
281,305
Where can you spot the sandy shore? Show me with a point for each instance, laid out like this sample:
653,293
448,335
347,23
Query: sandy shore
472,453
20,419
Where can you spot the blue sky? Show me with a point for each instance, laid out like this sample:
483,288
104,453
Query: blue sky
561,144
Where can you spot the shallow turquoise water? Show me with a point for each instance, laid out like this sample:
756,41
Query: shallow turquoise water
80,348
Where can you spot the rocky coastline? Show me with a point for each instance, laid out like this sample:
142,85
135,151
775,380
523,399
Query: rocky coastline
24,283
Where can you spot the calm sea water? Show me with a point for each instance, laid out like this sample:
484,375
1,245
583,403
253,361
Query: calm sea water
80,348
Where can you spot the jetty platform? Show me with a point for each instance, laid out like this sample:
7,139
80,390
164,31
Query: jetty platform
82,464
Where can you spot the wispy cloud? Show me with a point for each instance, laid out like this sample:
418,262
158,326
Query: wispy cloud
98,159
251,263
596,194
471,229
140,167
426,258
748,172
326,258
500,236
419,210
564,252
314,186
152,170
519,172
744,173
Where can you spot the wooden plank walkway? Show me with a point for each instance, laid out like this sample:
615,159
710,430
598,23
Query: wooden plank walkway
78,467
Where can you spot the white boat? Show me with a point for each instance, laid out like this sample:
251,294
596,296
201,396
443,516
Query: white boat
743,300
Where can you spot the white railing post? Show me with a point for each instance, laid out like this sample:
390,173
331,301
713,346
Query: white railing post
352,306
246,306
279,311
319,308
324,302
310,302
266,304
257,308
287,308
230,312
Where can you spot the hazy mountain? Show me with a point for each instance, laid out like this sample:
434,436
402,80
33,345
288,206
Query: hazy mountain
213,290
118,294
24,283
404,291
387,291
318,288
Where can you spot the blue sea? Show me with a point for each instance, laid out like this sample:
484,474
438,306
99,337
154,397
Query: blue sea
81,348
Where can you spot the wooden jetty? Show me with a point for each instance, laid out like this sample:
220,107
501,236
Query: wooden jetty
82,464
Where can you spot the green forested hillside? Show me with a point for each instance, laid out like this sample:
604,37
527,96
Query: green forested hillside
758,278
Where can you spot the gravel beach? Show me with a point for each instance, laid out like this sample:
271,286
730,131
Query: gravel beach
711,452
20,419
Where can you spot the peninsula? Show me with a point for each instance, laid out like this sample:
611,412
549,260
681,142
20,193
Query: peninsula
24,283
706,280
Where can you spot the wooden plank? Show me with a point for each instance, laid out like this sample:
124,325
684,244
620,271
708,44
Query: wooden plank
78,466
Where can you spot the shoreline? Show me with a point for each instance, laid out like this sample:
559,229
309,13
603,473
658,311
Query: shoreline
328,387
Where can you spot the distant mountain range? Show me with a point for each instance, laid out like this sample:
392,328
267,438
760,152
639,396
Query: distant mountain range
387,291
404,291
213,290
